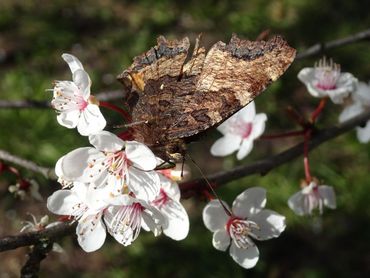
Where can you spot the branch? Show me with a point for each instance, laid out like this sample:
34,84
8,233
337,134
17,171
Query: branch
30,165
321,47
37,254
31,238
19,104
263,166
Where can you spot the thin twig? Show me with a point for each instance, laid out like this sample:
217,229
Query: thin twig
39,252
27,164
263,166
193,187
319,48
41,104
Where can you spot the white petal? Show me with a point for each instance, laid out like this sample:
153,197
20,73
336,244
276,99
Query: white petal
362,94
69,119
83,82
214,215
226,145
271,224
91,233
306,75
58,167
91,120
140,155
61,202
259,124
328,195
249,202
247,113
338,95
75,165
177,224
363,133
170,187
296,203
245,148
145,185
221,240
350,112
246,258
73,63
152,220
106,141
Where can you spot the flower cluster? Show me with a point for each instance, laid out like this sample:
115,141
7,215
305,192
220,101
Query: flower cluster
112,186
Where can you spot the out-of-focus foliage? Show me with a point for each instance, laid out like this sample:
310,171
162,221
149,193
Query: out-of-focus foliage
106,35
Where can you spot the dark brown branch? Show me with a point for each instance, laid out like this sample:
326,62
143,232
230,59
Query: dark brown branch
19,104
192,188
263,166
29,165
319,48
31,238
36,255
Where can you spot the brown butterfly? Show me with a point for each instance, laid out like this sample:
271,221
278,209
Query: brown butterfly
172,99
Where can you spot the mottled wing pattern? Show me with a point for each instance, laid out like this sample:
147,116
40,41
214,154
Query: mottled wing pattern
173,99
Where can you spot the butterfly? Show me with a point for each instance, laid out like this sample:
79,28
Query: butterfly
174,96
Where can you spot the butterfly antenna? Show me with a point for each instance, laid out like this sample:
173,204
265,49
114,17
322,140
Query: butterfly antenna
131,124
210,186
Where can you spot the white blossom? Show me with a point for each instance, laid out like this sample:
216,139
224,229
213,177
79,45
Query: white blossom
311,197
75,105
112,166
326,80
239,132
247,220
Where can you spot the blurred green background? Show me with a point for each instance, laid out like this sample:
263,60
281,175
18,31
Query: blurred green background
106,35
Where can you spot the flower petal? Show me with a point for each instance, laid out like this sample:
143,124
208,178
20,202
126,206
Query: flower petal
214,215
140,155
328,195
249,202
247,113
61,202
91,233
106,141
259,124
246,258
152,220
363,133
350,112
296,203
83,82
271,224
226,145
177,224
221,240
69,119
91,120
145,185
245,148
362,94
170,187
73,63
75,165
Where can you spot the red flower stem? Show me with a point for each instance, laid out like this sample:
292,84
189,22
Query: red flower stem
208,195
307,137
318,109
282,135
113,107
297,117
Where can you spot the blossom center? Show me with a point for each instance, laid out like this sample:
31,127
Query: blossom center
117,164
244,129
162,199
68,97
239,230
127,222
327,74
